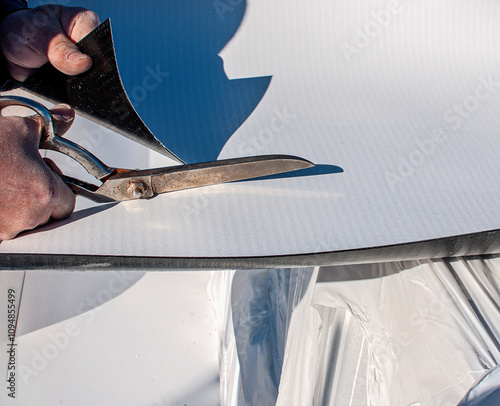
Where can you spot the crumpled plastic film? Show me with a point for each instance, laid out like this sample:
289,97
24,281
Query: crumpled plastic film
486,392
405,333
258,313
422,341
219,291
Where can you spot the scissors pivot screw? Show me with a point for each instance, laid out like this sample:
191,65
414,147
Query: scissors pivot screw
136,189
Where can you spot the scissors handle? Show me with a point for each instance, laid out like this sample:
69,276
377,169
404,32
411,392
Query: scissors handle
50,140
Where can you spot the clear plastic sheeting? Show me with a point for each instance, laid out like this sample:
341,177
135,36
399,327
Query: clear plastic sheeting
486,392
254,310
406,333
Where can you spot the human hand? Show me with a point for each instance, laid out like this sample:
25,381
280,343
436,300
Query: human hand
31,193
30,38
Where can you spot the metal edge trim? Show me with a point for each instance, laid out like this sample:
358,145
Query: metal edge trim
475,244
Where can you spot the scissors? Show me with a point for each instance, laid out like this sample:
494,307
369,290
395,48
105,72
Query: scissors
127,184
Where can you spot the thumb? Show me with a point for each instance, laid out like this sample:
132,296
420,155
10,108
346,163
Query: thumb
65,56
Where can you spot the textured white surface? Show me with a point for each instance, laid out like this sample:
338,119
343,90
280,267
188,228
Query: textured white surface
154,344
404,97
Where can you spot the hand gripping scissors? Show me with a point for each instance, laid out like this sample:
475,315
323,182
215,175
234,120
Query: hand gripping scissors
126,184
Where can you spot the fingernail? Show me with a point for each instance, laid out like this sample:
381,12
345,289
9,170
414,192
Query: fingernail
63,112
76,56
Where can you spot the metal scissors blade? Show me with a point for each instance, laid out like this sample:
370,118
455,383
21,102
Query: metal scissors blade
139,184
124,184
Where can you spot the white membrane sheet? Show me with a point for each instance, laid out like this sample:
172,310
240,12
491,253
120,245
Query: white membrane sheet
153,344
396,102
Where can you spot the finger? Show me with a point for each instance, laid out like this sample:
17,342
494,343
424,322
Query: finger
63,116
65,56
19,73
61,200
32,191
24,43
49,198
46,33
37,36
53,194
52,165
76,23
65,199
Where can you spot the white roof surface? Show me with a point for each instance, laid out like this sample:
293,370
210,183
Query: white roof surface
404,128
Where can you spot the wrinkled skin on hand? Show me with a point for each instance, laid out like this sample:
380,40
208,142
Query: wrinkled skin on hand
30,38
31,192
